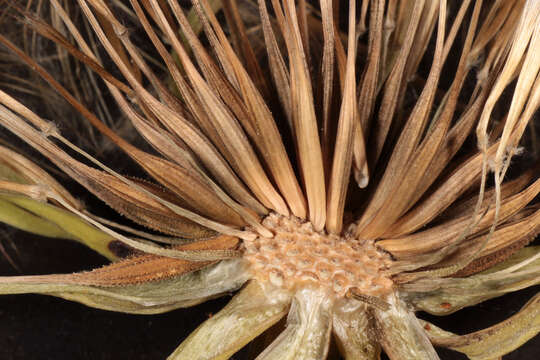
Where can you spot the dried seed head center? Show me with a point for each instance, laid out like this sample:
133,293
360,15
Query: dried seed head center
299,256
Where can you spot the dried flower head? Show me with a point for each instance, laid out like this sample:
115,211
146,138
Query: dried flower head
313,161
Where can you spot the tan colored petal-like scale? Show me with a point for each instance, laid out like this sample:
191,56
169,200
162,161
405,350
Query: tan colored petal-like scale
401,334
307,335
246,316
354,331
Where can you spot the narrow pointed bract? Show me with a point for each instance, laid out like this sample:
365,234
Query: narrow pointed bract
307,335
250,312
354,331
402,336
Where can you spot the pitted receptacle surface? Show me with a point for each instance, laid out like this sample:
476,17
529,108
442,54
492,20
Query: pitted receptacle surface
298,255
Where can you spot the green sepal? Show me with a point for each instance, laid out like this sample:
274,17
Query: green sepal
400,333
307,334
246,316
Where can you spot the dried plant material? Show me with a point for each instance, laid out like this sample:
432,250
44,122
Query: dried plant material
401,333
17,168
496,340
304,121
393,83
402,160
328,170
441,296
354,332
141,298
327,65
503,243
438,236
345,137
244,313
271,145
368,88
307,335
139,269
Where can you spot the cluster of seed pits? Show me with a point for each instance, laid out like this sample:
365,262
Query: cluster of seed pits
299,256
